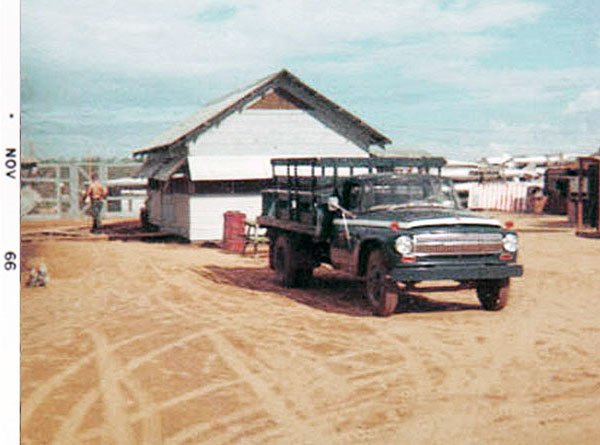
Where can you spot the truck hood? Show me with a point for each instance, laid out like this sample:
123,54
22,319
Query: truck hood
408,218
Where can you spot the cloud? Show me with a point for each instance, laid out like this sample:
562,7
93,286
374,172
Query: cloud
542,138
587,101
434,59
203,37
454,62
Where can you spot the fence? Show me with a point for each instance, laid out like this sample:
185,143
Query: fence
502,196
54,190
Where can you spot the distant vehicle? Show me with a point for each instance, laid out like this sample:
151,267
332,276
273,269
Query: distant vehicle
364,217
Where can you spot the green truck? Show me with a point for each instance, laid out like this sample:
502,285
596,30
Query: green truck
389,220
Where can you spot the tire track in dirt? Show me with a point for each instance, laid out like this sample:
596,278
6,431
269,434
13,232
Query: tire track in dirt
78,412
148,412
288,414
230,422
151,422
181,310
153,409
311,382
67,432
362,388
116,426
112,391
43,389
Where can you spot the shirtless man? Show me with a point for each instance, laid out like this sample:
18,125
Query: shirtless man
96,192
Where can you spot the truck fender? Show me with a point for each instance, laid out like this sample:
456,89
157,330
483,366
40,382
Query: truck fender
361,255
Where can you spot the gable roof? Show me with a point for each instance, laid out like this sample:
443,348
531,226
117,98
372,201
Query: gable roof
322,108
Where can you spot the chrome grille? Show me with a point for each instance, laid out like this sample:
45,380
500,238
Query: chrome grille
457,243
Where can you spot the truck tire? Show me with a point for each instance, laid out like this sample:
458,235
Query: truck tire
493,294
382,297
289,274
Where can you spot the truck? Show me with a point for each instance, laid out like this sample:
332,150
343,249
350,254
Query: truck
391,221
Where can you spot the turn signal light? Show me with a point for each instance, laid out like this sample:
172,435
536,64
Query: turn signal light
394,226
506,256
409,259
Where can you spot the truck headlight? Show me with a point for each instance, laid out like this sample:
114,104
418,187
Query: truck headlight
404,245
510,242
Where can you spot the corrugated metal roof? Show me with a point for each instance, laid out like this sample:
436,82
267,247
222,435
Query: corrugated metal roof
217,110
204,115
149,166
168,168
160,169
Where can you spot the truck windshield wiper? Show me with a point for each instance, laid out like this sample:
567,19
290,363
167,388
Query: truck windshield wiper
407,205
387,207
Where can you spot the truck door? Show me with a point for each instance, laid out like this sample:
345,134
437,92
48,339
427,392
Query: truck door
344,234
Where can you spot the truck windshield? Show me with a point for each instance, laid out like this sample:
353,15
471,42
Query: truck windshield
410,193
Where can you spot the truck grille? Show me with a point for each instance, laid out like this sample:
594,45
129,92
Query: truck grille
457,243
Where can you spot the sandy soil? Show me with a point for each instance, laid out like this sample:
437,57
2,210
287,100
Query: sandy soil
139,342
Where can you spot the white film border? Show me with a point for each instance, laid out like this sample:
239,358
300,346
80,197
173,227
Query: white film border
10,220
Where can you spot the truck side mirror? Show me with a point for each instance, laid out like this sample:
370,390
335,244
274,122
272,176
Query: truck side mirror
333,203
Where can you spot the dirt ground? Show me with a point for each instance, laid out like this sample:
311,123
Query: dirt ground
150,342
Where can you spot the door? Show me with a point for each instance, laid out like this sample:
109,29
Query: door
344,238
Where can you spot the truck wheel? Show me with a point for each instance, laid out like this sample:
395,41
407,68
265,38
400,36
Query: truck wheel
383,299
304,276
493,294
286,269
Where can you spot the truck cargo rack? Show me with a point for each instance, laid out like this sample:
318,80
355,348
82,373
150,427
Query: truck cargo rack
306,183
424,163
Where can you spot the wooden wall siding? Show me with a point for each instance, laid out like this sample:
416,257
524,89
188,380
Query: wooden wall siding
176,214
153,207
272,133
206,213
278,100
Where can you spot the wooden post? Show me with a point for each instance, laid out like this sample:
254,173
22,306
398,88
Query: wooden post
102,173
580,196
73,191
57,190
597,161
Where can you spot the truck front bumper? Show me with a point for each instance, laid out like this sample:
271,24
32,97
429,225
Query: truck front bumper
458,273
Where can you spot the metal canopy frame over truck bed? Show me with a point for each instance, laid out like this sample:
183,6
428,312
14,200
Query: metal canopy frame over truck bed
307,183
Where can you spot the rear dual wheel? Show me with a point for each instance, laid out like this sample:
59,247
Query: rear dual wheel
381,290
289,262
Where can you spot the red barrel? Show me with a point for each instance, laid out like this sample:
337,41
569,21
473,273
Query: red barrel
234,234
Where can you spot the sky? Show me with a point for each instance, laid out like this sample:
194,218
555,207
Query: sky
464,79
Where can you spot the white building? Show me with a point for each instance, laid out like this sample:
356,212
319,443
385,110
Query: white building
219,159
